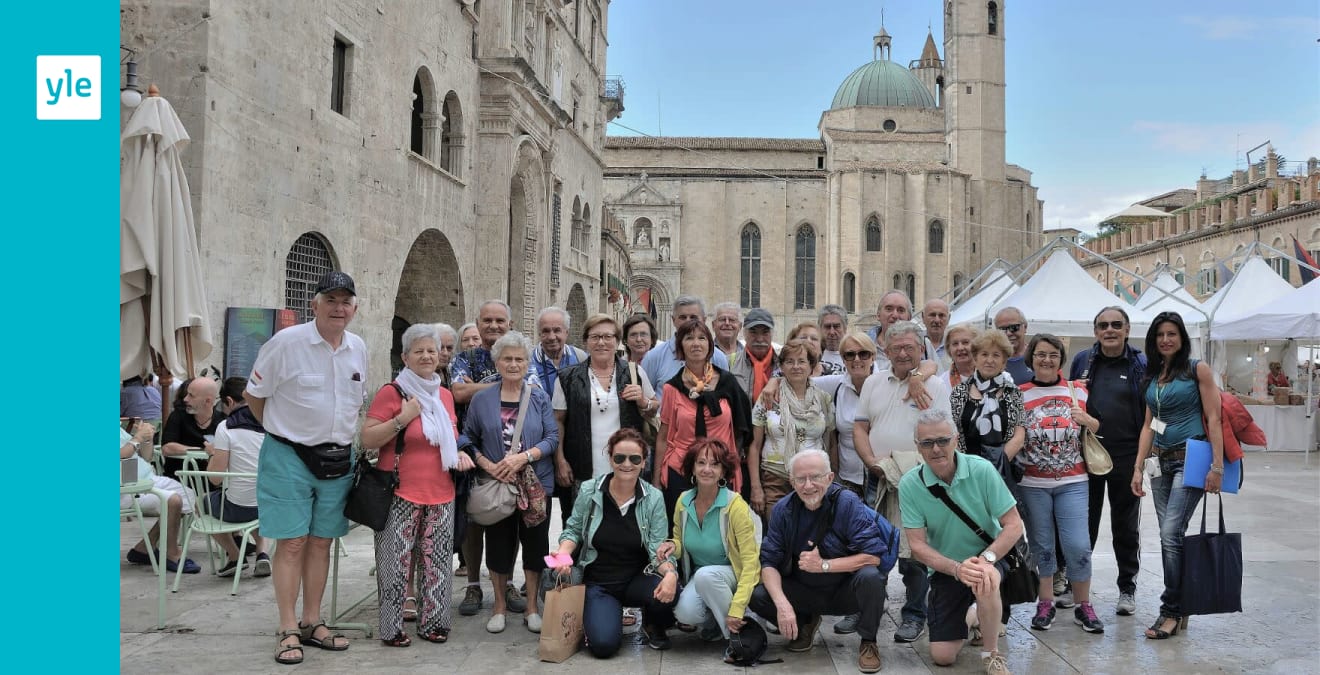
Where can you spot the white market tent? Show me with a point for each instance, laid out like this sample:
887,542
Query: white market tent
973,309
1061,298
1295,315
1254,285
1165,294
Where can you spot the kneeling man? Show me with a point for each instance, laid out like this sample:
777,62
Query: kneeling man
963,569
820,555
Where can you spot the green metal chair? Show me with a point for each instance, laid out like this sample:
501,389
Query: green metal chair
134,511
204,522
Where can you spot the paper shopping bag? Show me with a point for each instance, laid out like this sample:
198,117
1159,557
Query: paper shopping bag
561,627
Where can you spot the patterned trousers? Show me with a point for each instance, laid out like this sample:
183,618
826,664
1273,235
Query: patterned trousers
428,531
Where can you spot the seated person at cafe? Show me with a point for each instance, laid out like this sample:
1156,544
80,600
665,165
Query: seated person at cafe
236,449
189,428
138,445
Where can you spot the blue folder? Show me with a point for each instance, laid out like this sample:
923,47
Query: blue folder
1197,465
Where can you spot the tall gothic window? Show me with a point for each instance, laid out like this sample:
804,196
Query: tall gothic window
911,285
749,295
849,292
992,18
936,237
957,282
804,286
874,236
898,282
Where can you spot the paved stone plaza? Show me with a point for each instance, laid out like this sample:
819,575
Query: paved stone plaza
209,630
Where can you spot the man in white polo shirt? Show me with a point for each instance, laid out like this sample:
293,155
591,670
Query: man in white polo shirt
306,389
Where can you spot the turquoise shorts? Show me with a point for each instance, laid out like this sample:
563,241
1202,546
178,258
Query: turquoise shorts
294,503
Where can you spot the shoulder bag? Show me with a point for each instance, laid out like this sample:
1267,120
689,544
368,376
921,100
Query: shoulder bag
1098,461
492,500
372,493
1020,583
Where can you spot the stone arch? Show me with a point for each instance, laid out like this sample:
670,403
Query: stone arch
427,122
577,313
527,254
452,137
430,288
309,257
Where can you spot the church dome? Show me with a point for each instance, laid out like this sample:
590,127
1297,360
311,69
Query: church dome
882,83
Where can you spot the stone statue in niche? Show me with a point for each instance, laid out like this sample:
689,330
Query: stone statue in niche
664,228
664,249
643,238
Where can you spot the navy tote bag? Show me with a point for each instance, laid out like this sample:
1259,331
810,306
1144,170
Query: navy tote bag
1212,569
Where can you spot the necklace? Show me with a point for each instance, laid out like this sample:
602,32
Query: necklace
600,393
699,383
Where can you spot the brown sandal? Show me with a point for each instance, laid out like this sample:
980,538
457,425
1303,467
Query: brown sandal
438,636
400,640
281,649
327,643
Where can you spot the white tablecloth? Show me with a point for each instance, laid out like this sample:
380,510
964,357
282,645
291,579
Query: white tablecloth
1285,426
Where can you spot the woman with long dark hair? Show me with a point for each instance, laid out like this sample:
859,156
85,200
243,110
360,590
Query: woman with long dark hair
1179,391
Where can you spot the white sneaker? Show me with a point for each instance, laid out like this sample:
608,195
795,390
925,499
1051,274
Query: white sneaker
495,624
1126,605
533,622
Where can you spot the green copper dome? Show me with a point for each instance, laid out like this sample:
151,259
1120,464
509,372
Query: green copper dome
882,83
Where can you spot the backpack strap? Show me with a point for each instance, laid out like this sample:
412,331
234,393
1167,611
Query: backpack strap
943,495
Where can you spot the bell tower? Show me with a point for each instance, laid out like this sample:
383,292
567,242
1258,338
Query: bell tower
974,91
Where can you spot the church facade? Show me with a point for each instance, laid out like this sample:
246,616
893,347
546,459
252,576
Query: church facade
906,187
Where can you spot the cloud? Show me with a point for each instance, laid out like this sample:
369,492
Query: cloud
1246,27
1212,142
1084,208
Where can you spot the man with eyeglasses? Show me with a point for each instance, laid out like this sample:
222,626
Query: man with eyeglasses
1013,322
1113,371
963,569
821,555
726,324
660,364
881,433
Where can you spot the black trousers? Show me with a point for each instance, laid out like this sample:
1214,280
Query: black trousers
1124,519
862,592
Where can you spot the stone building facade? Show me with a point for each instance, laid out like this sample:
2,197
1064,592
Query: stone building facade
906,187
1218,219
441,151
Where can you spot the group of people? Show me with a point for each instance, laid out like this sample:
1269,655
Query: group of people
723,484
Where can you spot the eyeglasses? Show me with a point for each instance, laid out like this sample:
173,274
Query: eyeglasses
620,458
853,356
814,479
930,443
1046,356
902,349
1106,325
1010,328
601,337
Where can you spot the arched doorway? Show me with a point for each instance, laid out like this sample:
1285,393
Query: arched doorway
577,314
430,289
526,195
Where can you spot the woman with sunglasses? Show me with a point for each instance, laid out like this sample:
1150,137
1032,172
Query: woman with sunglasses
1055,485
1179,391
616,529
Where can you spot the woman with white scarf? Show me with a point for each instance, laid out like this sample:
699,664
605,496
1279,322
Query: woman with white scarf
803,419
421,519
988,409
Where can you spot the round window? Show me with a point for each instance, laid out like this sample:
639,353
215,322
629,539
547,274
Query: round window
890,125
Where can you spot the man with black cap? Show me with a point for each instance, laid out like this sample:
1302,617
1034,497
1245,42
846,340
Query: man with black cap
306,389
759,361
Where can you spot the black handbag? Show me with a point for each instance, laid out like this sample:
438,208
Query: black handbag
1212,569
1020,584
372,494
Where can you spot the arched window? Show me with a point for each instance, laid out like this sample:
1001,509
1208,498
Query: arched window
804,286
898,281
957,282
992,18
308,260
849,292
911,285
936,236
425,126
874,235
415,132
575,226
451,135
749,295
586,229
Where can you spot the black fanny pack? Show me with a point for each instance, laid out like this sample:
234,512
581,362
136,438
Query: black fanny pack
325,461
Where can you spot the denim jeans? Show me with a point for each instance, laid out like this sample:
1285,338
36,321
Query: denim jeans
707,596
917,583
604,604
1174,505
1062,509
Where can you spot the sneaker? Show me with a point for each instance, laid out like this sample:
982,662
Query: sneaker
656,638
1127,605
806,637
262,568
847,625
138,557
996,664
514,600
1060,582
189,567
1064,600
1044,615
533,622
495,624
522,590
1085,617
229,569
471,601
868,657
909,631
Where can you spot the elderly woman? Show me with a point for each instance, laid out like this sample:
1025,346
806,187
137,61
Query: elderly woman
1182,404
616,529
958,342
639,336
1276,377
469,337
810,332
715,538
592,400
802,419
1055,486
702,401
987,408
417,409
492,417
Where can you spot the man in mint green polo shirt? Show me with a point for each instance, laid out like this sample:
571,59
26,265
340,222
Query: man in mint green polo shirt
963,569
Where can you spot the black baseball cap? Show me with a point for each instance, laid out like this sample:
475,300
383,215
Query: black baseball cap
336,281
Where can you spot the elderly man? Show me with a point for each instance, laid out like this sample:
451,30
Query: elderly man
660,363
820,555
1013,322
554,353
759,360
833,322
138,446
895,306
935,316
726,323
307,389
884,444
963,568
190,431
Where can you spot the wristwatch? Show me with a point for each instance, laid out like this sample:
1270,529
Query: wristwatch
1217,469
989,556
825,566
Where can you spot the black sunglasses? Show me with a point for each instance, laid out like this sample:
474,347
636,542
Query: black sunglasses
620,458
853,356
1106,325
1010,328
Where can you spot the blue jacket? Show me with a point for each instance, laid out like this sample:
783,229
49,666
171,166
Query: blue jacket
484,431
853,531
1082,370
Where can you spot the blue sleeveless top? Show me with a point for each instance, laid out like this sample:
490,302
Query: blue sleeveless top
1178,405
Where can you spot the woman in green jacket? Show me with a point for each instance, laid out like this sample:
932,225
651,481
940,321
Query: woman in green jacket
618,523
717,539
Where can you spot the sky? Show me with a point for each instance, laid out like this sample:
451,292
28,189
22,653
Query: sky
1107,103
